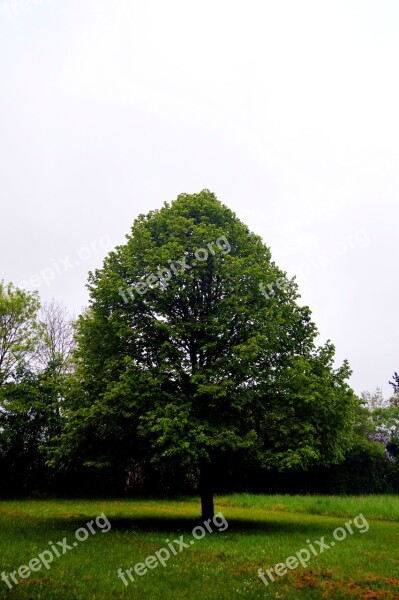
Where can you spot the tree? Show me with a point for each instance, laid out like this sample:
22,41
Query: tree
384,418
56,342
29,418
19,328
394,400
53,354
194,352
36,354
374,400
395,382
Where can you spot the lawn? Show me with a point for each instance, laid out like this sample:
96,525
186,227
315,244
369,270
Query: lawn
261,531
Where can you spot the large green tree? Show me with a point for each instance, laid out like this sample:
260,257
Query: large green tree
194,351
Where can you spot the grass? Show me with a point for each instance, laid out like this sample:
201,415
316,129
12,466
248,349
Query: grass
262,531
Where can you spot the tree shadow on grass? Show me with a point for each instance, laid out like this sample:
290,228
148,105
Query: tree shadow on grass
183,525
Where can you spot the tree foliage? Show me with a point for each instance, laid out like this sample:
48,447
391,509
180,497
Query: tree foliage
183,359
19,328
35,375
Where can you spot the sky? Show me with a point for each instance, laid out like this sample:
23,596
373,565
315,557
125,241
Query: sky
286,110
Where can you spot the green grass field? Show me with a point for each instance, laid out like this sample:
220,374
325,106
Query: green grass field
262,531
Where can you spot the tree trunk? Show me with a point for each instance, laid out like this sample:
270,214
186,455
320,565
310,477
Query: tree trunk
206,492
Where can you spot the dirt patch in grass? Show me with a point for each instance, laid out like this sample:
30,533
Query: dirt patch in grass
371,588
11,512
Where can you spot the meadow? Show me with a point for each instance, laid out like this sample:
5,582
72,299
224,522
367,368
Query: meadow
262,531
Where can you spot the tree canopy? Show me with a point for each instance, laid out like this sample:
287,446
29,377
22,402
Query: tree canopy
184,358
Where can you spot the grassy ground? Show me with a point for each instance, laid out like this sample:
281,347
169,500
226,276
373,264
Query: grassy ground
262,531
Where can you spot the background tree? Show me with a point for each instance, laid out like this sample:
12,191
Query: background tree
394,400
395,382
29,418
374,400
56,342
19,328
53,354
184,359
384,414
34,386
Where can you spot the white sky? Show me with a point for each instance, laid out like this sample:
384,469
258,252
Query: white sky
287,110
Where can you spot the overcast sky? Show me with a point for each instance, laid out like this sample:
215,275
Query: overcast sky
286,110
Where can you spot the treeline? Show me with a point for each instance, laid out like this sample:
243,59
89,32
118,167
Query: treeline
199,382
38,380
